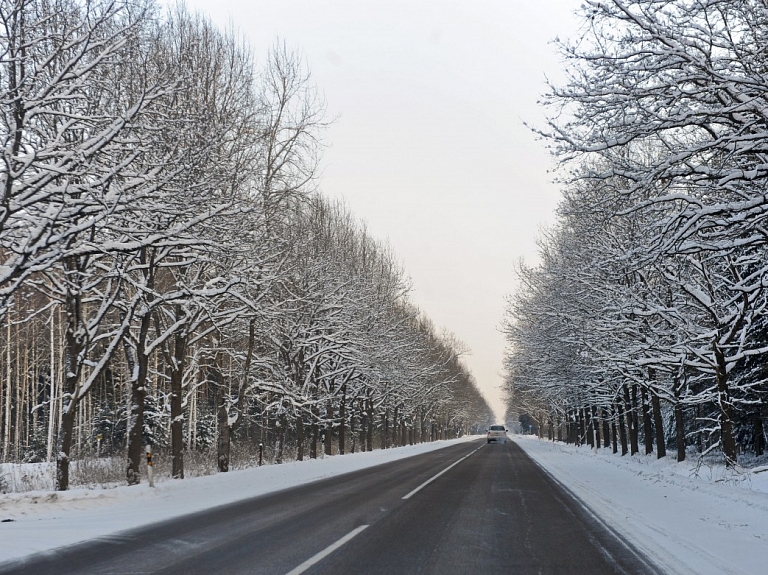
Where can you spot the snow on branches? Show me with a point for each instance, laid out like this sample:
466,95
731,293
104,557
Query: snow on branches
655,277
168,273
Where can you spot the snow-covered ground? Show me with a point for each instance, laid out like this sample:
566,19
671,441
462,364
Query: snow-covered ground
44,520
687,519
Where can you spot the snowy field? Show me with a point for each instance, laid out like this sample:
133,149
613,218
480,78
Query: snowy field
687,520
44,520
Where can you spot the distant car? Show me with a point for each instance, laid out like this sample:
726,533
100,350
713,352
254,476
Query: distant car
497,433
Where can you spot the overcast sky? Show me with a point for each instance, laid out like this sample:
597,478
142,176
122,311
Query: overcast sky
428,146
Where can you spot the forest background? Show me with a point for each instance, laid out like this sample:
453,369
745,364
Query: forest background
170,276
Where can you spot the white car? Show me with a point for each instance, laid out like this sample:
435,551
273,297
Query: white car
497,433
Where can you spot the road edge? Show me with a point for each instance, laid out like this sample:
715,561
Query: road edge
587,514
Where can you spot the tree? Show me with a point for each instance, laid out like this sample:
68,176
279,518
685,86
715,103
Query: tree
665,111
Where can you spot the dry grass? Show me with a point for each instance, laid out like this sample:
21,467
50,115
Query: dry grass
92,472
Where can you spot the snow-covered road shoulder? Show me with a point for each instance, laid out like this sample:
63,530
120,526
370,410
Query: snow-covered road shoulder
687,520
42,520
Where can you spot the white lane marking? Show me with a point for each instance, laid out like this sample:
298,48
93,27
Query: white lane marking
327,551
428,481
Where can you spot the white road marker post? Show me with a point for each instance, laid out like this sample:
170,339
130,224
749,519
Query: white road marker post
149,467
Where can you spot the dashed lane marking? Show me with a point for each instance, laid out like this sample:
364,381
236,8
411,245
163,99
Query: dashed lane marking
430,480
327,551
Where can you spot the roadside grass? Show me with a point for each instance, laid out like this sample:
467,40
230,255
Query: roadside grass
109,471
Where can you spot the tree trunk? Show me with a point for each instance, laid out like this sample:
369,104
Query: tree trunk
315,431
647,432
369,430
699,438
177,415
395,428
139,371
595,422
727,439
680,431
329,428
759,435
658,422
632,419
136,421
363,423
74,345
138,365
227,424
299,437
634,435
622,426
606,428
223,441
281,438
385,428
64,446
342,417
223,406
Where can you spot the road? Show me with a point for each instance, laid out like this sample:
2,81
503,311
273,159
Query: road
468,508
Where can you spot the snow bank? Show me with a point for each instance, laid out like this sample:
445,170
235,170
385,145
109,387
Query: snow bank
42,520
689,519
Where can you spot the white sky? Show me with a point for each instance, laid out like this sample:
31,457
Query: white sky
429,146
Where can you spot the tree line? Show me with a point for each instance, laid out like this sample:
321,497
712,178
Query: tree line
169,274
645,320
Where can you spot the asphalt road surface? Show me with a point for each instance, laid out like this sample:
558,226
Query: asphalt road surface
469,508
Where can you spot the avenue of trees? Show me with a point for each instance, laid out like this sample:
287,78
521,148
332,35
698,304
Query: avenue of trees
645,321
168,273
